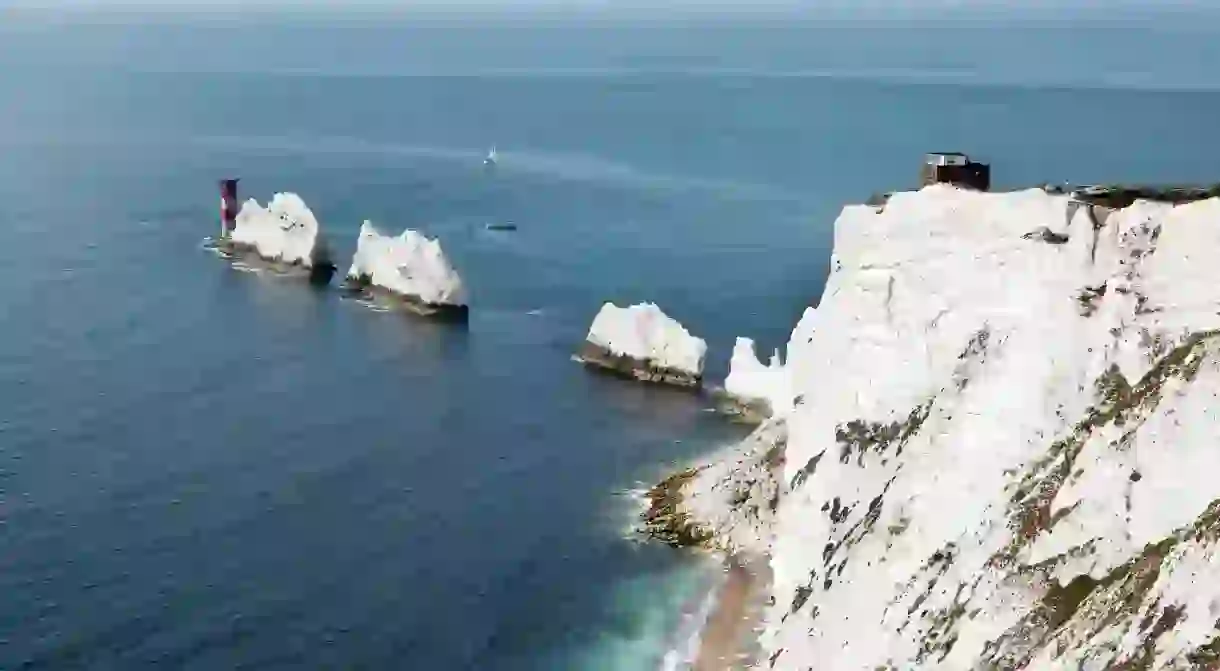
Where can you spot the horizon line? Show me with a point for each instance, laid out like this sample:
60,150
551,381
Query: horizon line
468,9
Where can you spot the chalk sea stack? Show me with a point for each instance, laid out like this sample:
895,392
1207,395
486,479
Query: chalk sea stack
753,390
285,236
643,343
411,271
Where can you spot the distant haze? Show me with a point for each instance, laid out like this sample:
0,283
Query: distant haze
640,7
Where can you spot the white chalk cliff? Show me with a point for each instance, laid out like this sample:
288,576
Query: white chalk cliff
750,381
1004,445
409,264
286,230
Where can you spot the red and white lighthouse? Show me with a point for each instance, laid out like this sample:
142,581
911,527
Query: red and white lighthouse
228,206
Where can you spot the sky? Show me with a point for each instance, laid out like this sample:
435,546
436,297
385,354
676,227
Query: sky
811,6
813,9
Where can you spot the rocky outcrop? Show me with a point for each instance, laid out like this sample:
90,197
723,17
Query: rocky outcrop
667,518
362,285
643,343
753,389
284,236
319,269
727,503
626,366
743,410
410,271
1045,234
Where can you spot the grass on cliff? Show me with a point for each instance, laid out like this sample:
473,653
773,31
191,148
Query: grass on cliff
1123,590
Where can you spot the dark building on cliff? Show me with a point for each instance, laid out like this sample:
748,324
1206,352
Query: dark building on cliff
954,168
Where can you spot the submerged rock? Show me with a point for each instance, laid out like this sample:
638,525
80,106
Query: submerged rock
743,410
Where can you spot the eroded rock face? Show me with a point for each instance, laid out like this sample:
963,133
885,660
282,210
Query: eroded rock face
636,369
362,286
668,519
974,490
318,271
727,503
1045,234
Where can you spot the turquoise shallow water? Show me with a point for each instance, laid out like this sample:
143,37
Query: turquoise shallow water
208,469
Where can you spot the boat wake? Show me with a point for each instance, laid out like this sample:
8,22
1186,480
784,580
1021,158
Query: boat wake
565,166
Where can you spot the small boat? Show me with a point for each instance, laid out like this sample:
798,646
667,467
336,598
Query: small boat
501,227
491,157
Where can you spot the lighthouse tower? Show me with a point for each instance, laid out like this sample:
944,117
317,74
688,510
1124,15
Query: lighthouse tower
228,207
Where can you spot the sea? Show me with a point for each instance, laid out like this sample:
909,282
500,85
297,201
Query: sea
204,467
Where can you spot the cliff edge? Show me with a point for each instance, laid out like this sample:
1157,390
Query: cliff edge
1003,442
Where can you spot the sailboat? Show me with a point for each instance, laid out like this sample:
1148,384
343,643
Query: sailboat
491,157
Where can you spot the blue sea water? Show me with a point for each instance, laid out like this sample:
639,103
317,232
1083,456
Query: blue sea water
202,468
